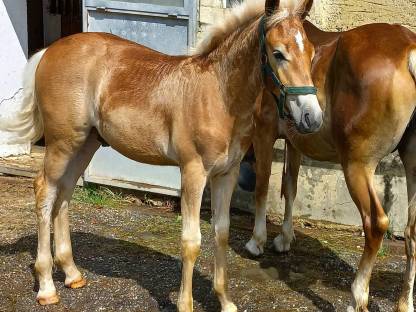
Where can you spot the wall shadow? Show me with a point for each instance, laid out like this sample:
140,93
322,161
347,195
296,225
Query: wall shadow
16,10
158,273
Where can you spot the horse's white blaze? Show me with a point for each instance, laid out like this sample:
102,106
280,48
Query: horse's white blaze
299,41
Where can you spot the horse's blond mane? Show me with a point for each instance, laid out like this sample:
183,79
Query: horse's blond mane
240,15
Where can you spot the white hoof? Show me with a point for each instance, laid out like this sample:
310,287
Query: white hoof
230,307
280,244
254,248
350,309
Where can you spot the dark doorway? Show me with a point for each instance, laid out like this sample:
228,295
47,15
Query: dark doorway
49,20
71,15
35,26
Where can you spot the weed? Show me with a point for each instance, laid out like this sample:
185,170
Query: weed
98,195
389,234
384,251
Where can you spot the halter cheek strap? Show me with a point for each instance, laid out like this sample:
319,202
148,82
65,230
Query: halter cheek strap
268,72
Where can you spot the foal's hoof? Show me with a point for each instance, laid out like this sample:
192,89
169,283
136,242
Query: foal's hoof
280,245
357,309
230,307
253,248
77,284
54,299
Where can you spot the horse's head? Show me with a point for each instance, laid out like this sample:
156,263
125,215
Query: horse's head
286,60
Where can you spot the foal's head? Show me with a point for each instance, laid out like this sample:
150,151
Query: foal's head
289,54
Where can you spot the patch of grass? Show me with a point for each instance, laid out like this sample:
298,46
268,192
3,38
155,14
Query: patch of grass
389,234
97,195
384,251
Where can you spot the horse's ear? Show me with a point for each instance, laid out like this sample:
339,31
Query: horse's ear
271,6
307,5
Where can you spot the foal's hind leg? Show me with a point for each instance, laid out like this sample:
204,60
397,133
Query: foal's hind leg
221,191
58,155
63,249
407,152
290,182
359,178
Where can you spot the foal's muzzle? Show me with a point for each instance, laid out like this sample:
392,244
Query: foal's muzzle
306,113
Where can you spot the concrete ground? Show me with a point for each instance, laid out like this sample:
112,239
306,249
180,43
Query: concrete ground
128,248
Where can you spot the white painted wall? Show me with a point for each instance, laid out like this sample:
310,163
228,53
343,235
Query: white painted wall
13,58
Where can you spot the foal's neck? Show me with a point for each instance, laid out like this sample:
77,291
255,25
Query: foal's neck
237,65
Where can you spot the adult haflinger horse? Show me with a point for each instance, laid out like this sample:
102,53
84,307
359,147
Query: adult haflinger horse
366,86
195,112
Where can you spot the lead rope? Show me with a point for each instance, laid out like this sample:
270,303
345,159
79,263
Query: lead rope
284,171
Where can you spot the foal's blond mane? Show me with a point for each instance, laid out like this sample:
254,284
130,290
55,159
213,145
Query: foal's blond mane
240,15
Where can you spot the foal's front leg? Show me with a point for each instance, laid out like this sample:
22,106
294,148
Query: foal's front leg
193,183
289,189
221,191
263,140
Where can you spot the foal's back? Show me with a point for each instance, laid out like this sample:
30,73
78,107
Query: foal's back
141,102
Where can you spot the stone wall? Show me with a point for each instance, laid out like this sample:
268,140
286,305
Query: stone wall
345,14
333,15
322,191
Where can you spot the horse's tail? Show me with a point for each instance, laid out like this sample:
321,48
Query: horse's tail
25,125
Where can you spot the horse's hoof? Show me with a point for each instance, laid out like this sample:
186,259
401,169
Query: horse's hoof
54,299
77,284
253,248
280,245
352,309
230,307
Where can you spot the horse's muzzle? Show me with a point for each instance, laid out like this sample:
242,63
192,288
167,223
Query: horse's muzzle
306,113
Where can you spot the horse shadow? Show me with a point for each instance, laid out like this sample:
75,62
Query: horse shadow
309,264
158,273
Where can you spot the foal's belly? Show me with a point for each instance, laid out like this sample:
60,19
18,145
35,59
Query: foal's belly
138,135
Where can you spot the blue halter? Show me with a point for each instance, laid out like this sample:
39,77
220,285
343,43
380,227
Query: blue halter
268,72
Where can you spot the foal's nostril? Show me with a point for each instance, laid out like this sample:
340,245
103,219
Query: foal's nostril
307,120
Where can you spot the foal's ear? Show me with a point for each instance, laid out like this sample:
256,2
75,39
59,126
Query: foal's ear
271,6
307,5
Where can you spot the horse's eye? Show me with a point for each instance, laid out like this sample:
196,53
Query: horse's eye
279,56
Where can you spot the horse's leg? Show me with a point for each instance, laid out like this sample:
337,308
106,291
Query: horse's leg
264,154
290,182
58,154
193,183
63,249
359,178
408,156
265,134
221,191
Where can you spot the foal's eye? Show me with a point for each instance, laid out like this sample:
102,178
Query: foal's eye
279,56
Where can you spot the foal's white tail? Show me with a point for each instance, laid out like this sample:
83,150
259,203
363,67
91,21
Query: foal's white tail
23,127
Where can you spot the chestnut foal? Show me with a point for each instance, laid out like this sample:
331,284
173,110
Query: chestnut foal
195,112
366,82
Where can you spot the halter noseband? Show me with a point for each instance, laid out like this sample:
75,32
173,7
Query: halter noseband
268,72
